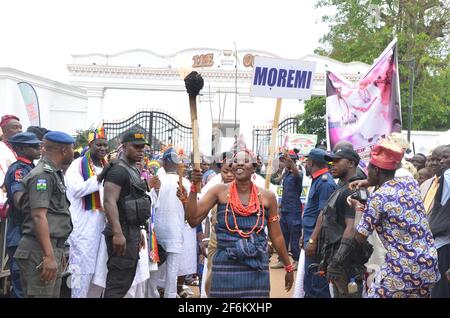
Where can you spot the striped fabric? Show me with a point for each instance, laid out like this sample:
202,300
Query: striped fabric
235,275
91,201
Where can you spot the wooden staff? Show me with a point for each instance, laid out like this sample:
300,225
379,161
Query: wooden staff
273,141
194,83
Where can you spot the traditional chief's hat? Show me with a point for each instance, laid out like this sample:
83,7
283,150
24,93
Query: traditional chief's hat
386,155
6,119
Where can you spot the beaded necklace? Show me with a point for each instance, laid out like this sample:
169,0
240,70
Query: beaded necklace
235,205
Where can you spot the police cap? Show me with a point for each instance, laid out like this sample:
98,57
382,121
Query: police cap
344,153
317,154
59,137
27,138
135,137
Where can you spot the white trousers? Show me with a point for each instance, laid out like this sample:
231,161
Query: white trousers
82,286
166,277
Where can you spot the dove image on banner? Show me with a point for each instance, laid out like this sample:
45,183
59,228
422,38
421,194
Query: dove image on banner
31,103
279,78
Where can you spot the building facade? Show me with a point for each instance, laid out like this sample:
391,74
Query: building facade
121,84
62,107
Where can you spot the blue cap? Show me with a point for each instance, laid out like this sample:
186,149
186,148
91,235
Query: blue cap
59,137
169,155
24,138
317,154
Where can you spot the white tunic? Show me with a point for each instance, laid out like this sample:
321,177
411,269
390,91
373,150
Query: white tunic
169,216
87,224
189,254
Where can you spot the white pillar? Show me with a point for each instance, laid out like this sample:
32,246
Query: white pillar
205,123
95,107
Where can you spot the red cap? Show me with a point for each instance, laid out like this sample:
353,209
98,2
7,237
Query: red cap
386,155
6,119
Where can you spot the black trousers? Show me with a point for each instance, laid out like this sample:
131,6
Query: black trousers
122,269
442,287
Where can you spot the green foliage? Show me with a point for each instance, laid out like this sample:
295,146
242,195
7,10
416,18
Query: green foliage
312,121
81,138
422,29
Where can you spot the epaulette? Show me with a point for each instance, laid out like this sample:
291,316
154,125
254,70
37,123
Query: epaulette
324,177
47,167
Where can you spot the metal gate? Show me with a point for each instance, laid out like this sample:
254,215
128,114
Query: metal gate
262,135
159,128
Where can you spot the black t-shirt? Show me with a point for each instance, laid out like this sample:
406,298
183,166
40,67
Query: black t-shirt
119,176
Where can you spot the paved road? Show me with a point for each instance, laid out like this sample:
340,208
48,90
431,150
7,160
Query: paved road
277,281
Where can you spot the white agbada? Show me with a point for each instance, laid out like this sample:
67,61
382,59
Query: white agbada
7,157
87,224
169,216
169,230
189,254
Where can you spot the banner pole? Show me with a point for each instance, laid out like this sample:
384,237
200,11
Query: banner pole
273,142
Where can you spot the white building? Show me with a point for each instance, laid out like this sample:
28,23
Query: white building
119,85
113,87
62,107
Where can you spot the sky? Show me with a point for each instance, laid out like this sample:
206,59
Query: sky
39,36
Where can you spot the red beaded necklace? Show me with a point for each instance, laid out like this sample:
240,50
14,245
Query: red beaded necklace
235,205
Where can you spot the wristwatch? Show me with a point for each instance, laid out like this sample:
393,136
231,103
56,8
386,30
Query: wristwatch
311,241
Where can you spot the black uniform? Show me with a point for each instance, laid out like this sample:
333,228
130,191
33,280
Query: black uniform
44,188
334,215
134,210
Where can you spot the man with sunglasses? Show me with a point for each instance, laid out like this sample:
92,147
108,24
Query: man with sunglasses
28,148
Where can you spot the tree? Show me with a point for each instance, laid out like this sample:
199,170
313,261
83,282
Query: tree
81,138
312,121
361,29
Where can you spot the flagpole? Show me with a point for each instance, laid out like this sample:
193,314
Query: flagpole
273,142
412,65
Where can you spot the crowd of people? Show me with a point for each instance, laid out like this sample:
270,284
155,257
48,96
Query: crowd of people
141,223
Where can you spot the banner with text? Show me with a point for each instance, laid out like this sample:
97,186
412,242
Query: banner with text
364,112
277,78
31,103
303,142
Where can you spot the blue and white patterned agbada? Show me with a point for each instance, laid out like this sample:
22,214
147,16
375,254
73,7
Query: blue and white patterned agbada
396,212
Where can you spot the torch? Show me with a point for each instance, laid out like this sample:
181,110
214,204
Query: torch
194,84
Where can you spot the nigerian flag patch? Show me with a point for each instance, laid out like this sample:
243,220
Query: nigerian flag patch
41,185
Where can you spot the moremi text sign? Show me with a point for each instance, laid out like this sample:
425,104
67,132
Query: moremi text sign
278,78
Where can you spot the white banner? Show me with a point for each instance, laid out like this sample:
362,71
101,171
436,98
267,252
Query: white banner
278,78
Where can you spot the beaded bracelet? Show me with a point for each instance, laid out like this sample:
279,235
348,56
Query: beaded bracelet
289,268
275,218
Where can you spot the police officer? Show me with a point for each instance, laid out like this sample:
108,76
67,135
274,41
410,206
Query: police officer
46,219
322,186
337,228
127,208
27,148
291,207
